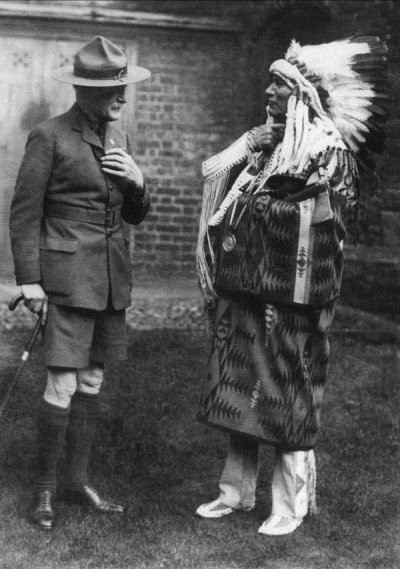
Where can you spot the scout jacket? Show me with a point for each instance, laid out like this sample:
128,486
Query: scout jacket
66,219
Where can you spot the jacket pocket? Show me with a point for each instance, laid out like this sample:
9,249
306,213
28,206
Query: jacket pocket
58,264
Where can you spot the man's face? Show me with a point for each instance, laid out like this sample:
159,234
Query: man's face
105,103
277,96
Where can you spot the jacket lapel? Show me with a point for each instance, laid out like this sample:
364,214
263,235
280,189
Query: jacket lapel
89,136
113,137
78,122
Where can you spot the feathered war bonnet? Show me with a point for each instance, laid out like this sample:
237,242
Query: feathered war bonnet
346,82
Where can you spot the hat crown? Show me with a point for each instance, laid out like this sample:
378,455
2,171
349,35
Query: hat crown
101,63
100,54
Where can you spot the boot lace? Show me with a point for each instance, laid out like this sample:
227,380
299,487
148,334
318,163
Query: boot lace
45,500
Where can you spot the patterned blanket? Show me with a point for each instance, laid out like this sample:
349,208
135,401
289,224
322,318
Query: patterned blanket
279,253
267,371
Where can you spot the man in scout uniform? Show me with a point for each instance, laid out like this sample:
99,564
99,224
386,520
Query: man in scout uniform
77,185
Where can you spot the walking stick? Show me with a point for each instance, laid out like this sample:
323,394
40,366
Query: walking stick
25,356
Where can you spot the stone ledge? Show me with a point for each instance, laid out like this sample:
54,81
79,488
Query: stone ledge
188,314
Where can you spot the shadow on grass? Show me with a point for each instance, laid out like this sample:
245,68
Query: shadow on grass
151,452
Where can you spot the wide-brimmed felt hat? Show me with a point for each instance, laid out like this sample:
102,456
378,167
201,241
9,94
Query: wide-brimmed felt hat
101,63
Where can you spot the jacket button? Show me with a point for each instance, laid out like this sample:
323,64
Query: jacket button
110,187
109,233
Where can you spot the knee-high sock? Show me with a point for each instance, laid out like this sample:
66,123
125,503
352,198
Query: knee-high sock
83,417
51,424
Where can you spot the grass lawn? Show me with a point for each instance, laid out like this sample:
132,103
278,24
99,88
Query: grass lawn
151,452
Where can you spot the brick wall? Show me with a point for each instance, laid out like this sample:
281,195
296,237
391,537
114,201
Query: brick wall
190,108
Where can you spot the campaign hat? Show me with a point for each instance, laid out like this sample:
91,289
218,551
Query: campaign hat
101,63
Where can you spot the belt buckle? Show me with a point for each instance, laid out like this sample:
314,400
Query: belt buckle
110,218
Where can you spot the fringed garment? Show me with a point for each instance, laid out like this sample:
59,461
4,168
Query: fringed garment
267,371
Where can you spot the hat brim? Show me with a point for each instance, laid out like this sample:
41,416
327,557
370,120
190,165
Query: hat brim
135,75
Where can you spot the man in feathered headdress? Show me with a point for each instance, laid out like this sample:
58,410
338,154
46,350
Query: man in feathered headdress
270,264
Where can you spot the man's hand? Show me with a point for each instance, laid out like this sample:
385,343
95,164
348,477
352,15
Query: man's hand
35,299
266,137
117,162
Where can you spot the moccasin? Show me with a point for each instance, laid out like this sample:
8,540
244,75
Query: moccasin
213,510
278,525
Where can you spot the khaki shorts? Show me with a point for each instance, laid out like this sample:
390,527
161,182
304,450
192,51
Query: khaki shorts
76,336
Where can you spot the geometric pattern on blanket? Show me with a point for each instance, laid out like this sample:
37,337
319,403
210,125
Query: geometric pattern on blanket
269,390
280,255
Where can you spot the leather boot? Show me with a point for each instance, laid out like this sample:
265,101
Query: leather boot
51,423
41,511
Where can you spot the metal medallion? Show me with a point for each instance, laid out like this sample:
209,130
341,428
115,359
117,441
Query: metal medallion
229,243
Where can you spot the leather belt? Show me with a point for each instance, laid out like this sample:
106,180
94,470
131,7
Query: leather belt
108,218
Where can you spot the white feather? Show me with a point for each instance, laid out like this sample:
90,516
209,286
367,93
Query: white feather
350,96
328,59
